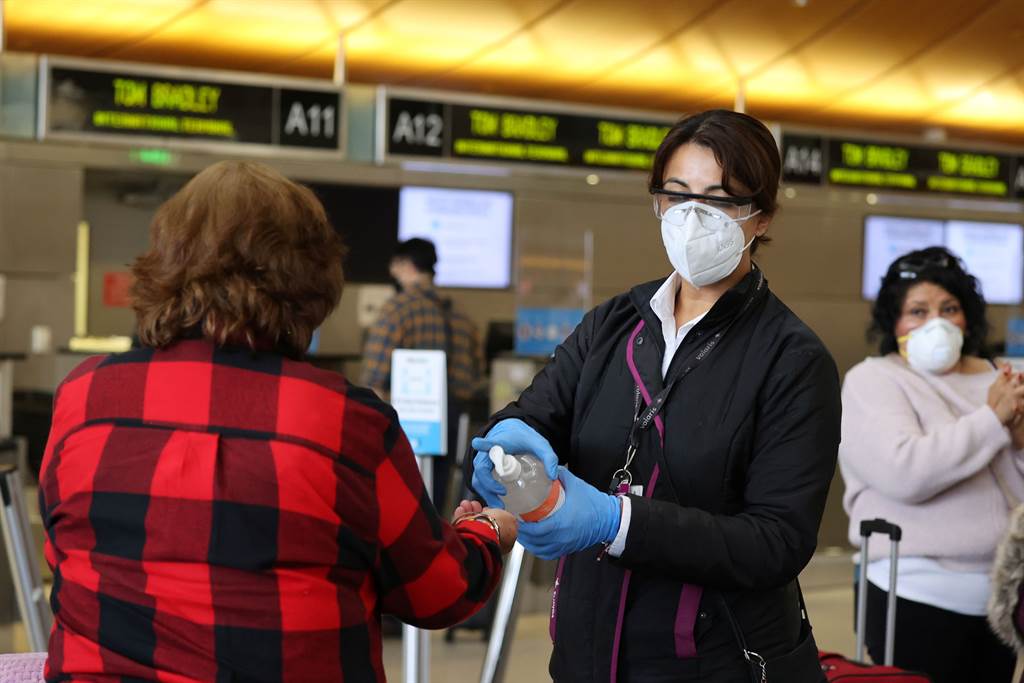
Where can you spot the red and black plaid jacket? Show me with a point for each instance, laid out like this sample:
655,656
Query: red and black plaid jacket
224,515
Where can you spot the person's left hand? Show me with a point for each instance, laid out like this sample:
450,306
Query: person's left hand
467,507
1016,423
1016,427
586,518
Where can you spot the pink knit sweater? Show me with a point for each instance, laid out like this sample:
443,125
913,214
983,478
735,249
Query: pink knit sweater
922,451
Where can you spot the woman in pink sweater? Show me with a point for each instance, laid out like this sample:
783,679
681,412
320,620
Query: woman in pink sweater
931,441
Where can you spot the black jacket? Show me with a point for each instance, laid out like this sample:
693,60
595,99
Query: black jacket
750,443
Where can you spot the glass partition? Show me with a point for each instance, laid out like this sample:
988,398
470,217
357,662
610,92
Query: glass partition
19,84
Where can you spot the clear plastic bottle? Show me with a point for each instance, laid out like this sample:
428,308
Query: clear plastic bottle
531,495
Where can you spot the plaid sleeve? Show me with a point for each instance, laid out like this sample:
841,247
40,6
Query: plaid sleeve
69,411
384,337
433,575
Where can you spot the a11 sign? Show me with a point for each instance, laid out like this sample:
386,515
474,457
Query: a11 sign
309,118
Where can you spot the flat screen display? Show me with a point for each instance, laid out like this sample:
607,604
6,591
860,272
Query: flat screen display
471,229
367,219
992,252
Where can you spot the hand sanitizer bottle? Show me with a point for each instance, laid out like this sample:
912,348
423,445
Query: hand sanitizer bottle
531,496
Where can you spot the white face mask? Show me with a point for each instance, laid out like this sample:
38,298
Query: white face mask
934,347
704,244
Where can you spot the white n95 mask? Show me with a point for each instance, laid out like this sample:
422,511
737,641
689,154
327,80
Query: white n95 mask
704,244
934,347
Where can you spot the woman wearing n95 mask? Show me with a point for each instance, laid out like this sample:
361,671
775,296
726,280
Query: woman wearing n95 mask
694,424
931,442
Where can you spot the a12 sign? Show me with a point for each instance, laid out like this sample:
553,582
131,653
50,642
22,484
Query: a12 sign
309,118
416,127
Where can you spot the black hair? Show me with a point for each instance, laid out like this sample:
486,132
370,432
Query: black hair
420,252
941,267
743,147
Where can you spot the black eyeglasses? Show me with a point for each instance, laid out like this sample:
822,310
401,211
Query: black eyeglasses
912,266
666,199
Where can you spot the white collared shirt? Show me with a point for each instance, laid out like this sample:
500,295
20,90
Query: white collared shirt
663,303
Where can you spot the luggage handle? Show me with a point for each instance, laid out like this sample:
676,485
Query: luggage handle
895,534
880,526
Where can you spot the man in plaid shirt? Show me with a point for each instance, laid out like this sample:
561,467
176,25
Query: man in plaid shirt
215,508
418,318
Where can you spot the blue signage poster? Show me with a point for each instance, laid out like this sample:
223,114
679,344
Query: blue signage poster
419,395
1015,337
540,330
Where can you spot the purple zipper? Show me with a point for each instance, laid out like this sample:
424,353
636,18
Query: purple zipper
686,620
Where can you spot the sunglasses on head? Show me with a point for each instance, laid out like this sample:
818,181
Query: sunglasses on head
912,266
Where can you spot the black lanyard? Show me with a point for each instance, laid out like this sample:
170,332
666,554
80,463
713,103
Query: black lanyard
643,419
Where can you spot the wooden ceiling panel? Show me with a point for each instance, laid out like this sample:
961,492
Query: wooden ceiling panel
988,106
950,74
899,65
577,40
32,25
876,40
421,38
741,33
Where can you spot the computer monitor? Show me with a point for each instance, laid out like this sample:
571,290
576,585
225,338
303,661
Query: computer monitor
471,229
993,252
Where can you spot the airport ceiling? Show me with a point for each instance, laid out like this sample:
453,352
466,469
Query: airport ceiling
895,65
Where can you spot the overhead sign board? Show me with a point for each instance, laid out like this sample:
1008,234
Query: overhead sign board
891,166
802,159
424,127
97,100
1018,179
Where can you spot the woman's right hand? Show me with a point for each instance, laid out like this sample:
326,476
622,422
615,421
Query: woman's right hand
1006,395
508,529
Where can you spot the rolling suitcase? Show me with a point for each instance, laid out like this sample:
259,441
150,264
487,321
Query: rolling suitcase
839,668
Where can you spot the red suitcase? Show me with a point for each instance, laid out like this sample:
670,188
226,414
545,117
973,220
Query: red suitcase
838,668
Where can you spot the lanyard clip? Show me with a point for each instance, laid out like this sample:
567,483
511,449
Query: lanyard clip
620,481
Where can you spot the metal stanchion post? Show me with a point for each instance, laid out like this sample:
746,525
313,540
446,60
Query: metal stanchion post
506,613
416,641
6,398
28,584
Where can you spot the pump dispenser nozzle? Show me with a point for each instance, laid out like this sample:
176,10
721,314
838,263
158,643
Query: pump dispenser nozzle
506,467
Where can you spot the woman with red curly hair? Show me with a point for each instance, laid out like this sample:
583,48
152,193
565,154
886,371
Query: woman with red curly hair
218,509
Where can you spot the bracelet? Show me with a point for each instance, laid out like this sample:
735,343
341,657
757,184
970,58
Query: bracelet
486,519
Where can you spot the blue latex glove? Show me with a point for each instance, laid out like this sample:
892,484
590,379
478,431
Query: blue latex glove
586,518
516,437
